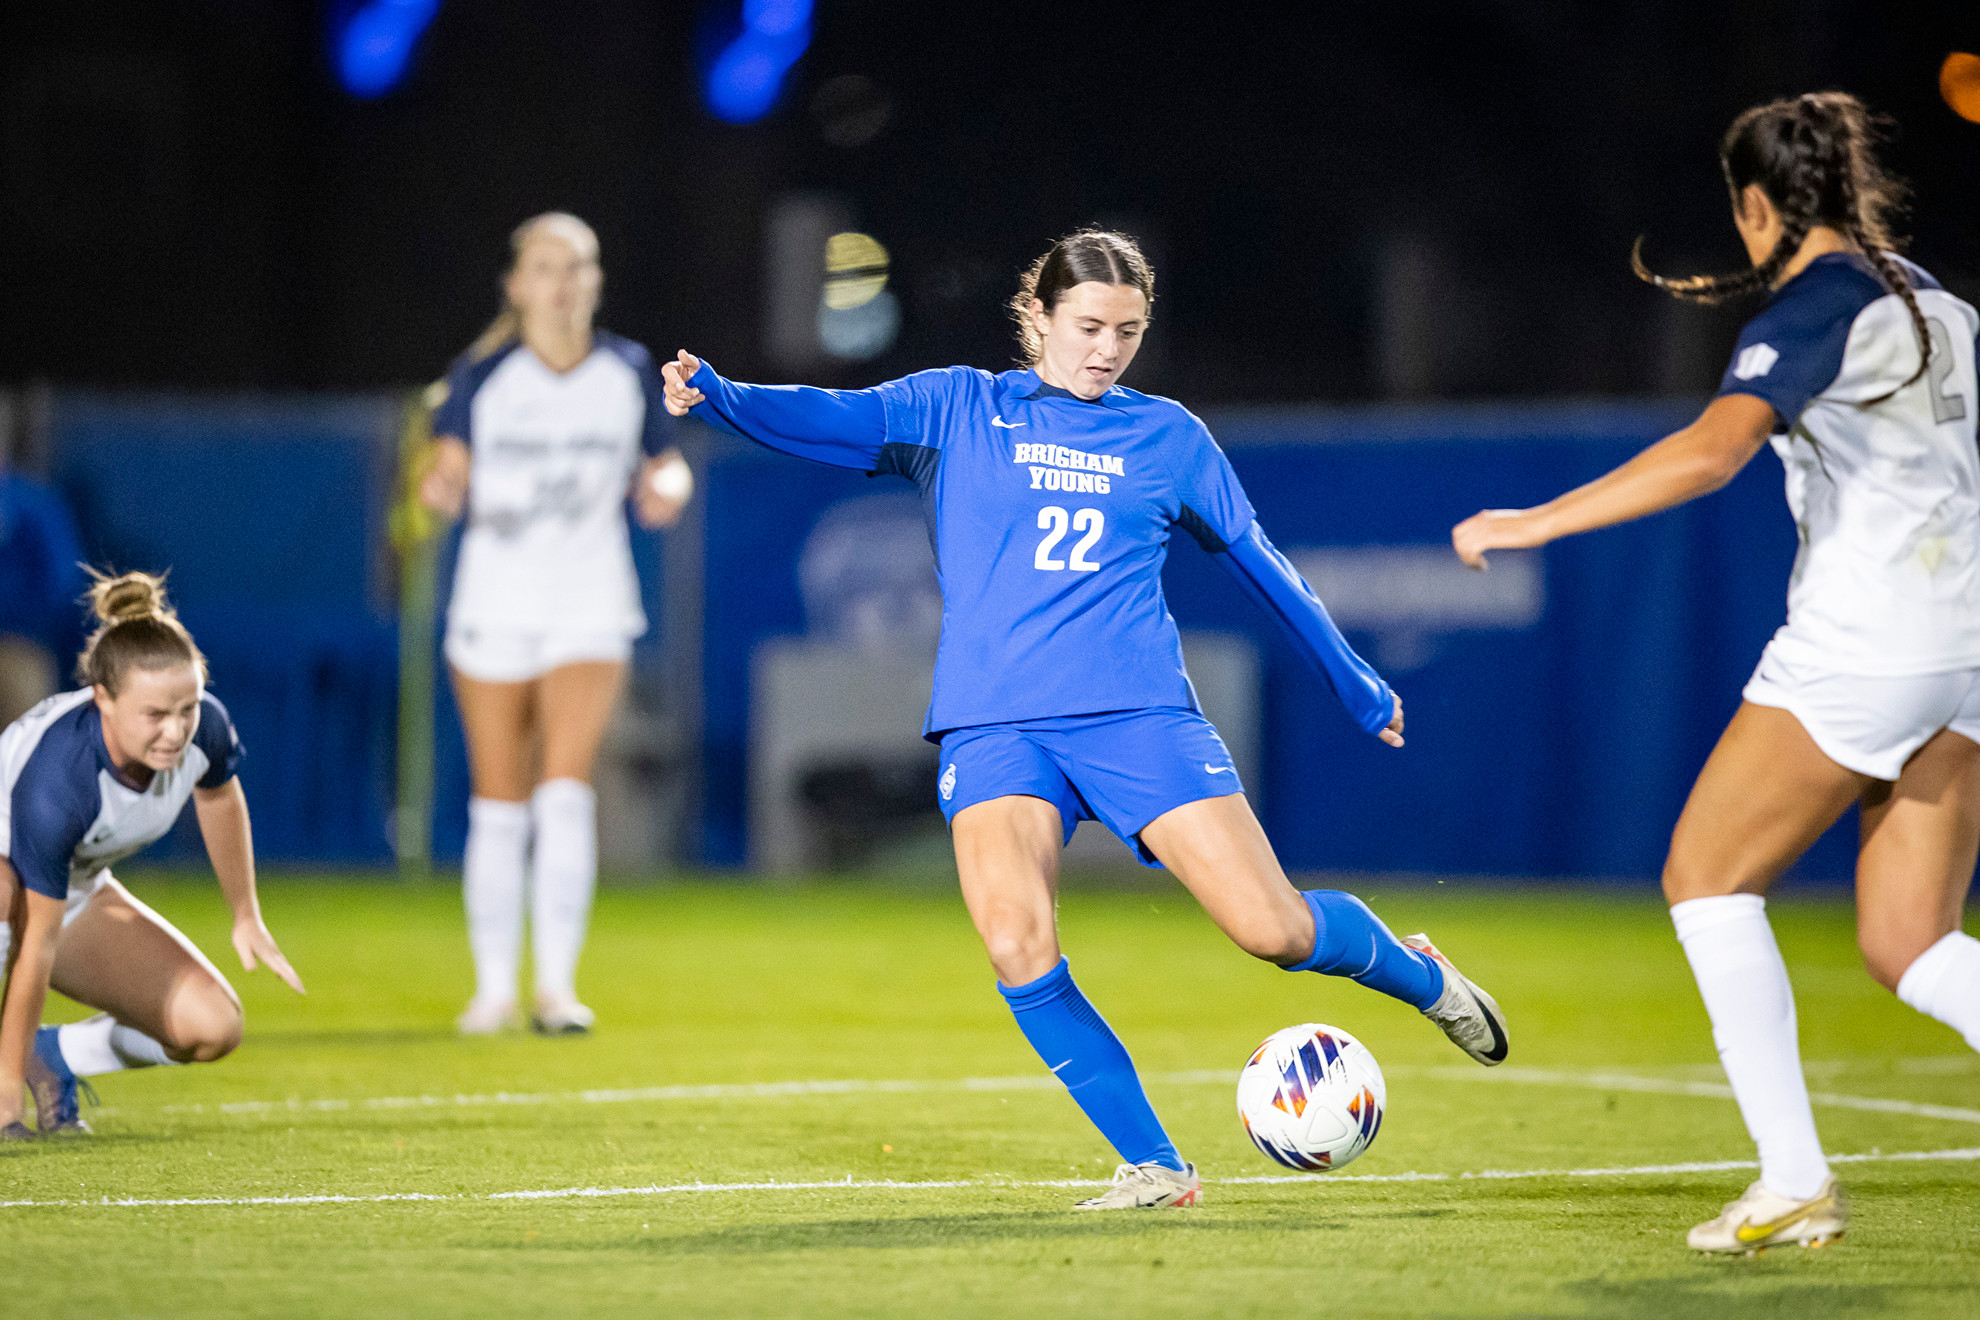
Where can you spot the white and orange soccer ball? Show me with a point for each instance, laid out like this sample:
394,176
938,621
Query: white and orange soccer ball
1312,1097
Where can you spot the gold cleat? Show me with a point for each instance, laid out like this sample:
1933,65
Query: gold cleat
1762,1218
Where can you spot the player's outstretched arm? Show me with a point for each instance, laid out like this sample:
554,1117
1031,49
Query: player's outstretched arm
1682,466
845,428
35,925
1272,580
223,825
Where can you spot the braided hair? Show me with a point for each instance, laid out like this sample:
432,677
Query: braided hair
1815,156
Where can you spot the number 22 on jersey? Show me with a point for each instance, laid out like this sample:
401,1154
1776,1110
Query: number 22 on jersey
1054,522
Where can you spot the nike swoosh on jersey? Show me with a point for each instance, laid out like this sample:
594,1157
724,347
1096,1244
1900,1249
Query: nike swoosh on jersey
1218,769
1008,426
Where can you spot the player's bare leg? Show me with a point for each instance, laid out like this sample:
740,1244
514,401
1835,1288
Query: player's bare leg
1007,855
1766,793
1218,850
1921,836
575,704
499,720
162,1002
123,958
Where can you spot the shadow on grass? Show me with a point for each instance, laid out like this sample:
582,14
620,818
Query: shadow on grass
922,1231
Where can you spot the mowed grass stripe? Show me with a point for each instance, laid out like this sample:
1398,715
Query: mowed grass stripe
1596,1080
951,1184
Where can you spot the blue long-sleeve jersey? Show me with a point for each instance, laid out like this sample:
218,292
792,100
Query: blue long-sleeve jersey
1050,517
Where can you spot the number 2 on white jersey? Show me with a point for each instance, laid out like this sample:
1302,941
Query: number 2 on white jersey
1054,521
1947,405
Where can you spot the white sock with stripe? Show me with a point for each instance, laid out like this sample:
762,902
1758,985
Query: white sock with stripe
1944,983
1744,984
492,884
566,876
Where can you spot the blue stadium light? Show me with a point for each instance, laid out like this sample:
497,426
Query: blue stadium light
746,78
377,42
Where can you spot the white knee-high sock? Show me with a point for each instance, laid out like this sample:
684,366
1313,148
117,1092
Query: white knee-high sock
1944,983
1745,987
566,873
492,880
102,1044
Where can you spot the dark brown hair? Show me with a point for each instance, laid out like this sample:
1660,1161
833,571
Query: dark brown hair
1101,256
135,629
1815,156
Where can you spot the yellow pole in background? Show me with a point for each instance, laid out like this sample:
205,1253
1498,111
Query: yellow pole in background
416,534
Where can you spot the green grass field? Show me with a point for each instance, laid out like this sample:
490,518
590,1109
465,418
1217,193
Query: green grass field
623,1173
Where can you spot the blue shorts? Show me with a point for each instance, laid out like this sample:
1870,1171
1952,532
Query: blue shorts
1123,768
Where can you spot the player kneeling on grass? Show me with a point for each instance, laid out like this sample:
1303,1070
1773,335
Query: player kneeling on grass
1060,693
1860,368
86,779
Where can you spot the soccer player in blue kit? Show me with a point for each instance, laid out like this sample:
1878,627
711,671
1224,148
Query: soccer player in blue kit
1060,694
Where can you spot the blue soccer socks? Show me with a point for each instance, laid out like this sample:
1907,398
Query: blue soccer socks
1083,1052
1351,941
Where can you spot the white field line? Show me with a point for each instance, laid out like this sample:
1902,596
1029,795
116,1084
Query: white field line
1619,1081
1596,1081
987,1184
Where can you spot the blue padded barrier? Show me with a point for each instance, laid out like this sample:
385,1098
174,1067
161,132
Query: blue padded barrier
1553,729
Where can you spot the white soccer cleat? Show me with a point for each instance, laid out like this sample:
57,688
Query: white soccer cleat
1147,1187
1469,1016
486,1017
1762,1218
561,1015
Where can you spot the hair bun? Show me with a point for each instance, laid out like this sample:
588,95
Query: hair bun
129,596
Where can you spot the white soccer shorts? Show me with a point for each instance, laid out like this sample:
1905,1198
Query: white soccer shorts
1865,723
518,656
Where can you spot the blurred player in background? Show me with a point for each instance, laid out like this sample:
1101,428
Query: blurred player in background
544,423
1060,695
86,779
1861,369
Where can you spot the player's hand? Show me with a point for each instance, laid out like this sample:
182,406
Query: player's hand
1393,734
663,488
1496,529
681,396
443,488
256,946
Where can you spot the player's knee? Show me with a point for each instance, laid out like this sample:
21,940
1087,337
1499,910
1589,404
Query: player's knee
1272,939
1020,954
207,1025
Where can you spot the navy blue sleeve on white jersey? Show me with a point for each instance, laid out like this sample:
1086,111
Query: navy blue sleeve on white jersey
218,740
455,414
845,428
1793,350
656,435
52,809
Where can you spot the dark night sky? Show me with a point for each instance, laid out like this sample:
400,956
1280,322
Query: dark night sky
187,198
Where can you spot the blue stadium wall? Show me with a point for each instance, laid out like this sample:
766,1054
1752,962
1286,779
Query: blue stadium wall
1556,744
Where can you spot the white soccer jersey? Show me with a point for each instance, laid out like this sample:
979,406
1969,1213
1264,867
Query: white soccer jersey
65,811
546,545
1886,495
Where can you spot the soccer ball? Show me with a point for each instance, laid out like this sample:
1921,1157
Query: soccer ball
1312,1097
